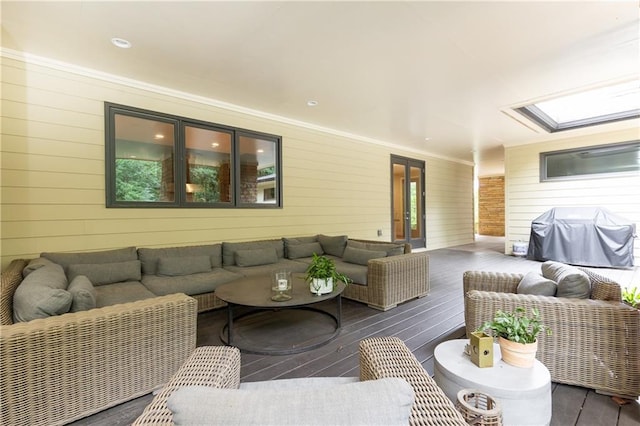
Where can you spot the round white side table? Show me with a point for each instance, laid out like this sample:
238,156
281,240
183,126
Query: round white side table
524,393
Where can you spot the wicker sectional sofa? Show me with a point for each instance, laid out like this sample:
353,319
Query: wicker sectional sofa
59,368
595,342
62,368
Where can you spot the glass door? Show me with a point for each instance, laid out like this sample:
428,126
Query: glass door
407,200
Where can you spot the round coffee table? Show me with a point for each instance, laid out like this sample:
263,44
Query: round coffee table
268,326
524,393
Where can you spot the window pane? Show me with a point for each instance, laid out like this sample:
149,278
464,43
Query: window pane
258,171
620,158
144,167
207,165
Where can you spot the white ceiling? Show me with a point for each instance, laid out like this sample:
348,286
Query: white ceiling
396,72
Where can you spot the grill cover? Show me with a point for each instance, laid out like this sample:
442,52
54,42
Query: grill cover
587,236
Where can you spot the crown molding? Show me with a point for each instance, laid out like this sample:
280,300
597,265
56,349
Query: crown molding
137,84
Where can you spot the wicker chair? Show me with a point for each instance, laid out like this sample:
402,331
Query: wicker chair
380,357
59,369
595,342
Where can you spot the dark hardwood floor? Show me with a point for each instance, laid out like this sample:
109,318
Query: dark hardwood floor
422,324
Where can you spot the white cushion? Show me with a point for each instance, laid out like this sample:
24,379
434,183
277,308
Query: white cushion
375,402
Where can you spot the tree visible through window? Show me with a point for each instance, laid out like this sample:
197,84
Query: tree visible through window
159,160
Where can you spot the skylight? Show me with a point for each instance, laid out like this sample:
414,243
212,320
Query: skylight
589,108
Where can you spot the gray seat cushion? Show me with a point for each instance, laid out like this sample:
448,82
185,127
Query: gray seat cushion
358,273
191,285
113,294
373,402
281,265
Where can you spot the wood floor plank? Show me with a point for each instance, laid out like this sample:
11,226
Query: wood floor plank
567,404
598,410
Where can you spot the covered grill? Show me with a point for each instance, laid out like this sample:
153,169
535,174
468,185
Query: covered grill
587,236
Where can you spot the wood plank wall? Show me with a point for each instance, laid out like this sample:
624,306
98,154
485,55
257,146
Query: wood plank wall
527,197
491,206
53,180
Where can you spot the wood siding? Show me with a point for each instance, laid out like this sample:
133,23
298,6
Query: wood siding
527,197
53,182
491,206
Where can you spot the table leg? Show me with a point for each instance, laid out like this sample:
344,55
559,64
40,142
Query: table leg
229,323
339,316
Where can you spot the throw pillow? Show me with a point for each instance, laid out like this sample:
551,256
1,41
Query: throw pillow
83,294
297,251
107,273
361,256
264,256
374,402
34,264
177,266
42,294
572,282
534,283
333,245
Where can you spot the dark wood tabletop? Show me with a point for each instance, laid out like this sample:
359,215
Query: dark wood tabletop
255,291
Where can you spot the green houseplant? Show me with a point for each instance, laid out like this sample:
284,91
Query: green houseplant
322,275
631,296
517,335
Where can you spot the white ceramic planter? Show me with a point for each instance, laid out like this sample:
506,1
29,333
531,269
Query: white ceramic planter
321,286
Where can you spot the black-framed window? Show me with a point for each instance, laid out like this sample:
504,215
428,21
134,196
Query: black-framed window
161,160
592,161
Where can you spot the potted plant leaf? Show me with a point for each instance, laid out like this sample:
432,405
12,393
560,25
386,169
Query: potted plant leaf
631,296
323,276
517,335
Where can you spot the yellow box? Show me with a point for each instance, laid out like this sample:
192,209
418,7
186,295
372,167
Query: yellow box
481,349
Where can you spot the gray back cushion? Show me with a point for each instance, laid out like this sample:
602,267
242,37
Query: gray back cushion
391,249
187,265
106,273
42,294
572,282
256,257
361,256
150,256
298,251
333,245
105,256
374,402
534,283
229,249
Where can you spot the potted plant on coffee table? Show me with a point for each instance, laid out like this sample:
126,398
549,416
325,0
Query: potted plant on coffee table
517,335
323,276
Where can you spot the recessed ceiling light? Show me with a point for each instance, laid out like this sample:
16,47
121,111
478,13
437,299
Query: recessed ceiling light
159,136
121,43
427,139
215,145
312,103
260,151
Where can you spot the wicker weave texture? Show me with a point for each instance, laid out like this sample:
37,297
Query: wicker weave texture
10,280
59,369
392,280
595,343
382,357
214,366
